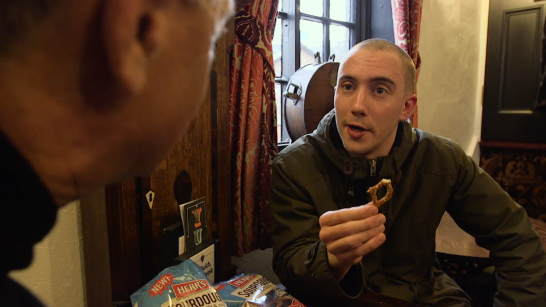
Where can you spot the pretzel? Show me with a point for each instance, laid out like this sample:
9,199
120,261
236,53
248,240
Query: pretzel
373,192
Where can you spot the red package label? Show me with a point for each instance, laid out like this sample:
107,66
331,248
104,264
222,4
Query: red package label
161,284
188,288
241,282
296,303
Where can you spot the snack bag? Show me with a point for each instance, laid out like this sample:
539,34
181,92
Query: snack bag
250,290
182,285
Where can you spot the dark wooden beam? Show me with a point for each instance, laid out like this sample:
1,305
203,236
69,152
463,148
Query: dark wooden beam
98,286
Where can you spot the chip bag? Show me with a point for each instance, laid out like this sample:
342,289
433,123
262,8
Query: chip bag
251,290
182,285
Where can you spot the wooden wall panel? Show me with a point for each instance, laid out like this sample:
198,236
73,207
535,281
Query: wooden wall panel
222,211
193,155
123,238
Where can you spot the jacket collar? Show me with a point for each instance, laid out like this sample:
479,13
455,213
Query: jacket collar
328,139
28,208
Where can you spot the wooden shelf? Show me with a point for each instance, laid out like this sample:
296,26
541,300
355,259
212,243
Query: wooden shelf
512,145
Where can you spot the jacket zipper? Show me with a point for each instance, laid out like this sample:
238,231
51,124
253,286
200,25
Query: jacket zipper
373,167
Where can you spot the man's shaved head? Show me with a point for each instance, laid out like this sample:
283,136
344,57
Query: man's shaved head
376,44
17,16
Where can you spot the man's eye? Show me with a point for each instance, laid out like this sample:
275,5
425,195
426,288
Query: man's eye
347,87
380,91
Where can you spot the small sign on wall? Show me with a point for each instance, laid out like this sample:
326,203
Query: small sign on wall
205,259
194,219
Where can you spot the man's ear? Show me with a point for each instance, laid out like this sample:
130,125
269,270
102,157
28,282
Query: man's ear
409,106
133,31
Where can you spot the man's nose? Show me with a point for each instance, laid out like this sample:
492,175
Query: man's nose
359,105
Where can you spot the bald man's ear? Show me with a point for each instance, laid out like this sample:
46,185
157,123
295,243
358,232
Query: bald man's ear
134,31
409,106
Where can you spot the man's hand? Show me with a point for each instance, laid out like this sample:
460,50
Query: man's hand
349,234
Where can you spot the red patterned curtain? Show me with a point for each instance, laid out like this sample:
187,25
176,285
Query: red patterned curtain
253,137
406,18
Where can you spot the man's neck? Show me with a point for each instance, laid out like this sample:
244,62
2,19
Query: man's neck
44,117
45,113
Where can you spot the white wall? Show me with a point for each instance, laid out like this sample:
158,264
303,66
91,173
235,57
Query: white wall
56,274
452,46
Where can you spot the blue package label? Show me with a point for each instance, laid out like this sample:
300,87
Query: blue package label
250,290
182,285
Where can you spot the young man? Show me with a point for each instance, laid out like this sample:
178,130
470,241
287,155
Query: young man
91,92
331,244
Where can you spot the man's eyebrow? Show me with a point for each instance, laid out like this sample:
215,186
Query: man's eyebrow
383,80
347,77
374,80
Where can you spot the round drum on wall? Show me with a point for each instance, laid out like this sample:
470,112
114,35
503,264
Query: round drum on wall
308,97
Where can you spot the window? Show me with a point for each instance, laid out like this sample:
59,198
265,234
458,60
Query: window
309,31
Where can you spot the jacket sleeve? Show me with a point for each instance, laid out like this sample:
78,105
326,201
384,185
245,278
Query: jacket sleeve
299,257
483,209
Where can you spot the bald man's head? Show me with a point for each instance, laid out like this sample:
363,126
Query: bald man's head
17,16
376,44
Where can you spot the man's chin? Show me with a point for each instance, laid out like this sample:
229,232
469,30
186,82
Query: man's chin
352,150
147,168
152,169
355,153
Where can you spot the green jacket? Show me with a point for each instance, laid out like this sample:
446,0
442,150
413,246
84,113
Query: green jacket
430,175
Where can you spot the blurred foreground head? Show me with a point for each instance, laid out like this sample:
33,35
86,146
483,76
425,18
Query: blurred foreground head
94,91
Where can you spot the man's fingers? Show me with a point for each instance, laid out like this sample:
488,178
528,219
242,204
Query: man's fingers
336,217
371,244
331,233
353,256
352,241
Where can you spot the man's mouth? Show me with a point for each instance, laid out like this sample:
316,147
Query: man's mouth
356,131
357,128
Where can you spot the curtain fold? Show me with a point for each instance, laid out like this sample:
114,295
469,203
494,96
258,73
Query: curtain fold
406,18
253,137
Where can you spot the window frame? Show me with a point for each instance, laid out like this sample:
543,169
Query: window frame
290,19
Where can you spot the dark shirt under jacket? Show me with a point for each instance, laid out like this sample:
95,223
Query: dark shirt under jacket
27,214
